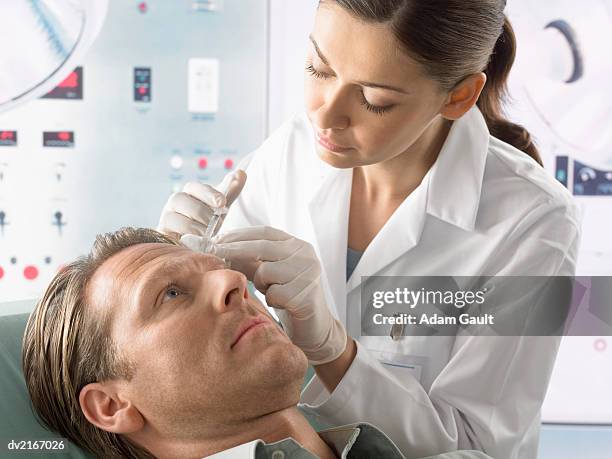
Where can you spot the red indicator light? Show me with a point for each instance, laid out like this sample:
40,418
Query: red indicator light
600,345
142,90
30,272
142,6
203,163
6,135
65,136
1,272
229,163
71,81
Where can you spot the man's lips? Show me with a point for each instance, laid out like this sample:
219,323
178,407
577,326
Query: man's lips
247,325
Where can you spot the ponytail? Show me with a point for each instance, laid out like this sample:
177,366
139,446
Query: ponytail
495,94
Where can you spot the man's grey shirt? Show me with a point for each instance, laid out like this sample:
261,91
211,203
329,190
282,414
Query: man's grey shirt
353,441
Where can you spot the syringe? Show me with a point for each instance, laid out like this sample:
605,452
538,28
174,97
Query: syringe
212,227
218,212
232,182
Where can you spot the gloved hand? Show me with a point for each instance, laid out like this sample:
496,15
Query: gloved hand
189,211
288,272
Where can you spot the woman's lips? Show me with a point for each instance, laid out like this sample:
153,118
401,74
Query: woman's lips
327,144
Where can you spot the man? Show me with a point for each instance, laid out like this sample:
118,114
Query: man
145,348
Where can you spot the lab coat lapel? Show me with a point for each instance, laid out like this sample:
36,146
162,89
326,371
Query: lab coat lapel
399,234
450,191
329,212
456,177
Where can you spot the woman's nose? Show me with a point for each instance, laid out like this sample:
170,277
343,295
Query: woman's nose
226,289
332,114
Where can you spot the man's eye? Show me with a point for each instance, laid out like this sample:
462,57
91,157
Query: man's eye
171,293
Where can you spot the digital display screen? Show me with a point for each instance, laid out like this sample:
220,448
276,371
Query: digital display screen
71,88
142,84
8,138
62,139
562,169
589,181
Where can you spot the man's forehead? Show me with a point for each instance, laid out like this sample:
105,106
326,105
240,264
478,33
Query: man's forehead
136,257
125,267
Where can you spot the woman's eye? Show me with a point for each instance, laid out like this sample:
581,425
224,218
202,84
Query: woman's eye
315,73
379,110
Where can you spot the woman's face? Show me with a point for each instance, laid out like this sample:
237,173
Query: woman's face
363,93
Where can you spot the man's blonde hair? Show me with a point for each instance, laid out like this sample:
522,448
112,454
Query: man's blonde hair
66,345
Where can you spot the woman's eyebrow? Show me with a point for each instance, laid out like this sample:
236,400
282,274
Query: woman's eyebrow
362,83
321,56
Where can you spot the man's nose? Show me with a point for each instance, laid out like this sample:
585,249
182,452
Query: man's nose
227,289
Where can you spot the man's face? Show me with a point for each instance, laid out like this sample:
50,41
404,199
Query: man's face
205,352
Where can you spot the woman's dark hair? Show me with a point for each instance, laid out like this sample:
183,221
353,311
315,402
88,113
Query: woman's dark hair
452,39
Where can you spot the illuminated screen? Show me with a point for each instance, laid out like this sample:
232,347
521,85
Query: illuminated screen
71,88
62,139
8,138
142,84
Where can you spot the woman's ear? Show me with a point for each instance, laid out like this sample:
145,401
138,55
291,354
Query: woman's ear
464,96
104,408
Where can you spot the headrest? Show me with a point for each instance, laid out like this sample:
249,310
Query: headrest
17,419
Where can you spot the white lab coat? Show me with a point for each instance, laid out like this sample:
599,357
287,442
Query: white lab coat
484,208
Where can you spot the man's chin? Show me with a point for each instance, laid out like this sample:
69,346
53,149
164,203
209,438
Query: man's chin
281,360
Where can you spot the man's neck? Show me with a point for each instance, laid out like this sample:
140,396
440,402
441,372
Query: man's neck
290,423
271,428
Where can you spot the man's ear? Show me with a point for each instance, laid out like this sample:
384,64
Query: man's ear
464,96
104,408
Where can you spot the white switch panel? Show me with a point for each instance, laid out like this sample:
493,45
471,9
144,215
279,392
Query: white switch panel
203,84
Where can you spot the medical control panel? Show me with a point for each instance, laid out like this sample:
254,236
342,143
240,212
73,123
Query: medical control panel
582,179
170,92
561,93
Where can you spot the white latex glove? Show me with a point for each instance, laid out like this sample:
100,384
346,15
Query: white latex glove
189,211
288,272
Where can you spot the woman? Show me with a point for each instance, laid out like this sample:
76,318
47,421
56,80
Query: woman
404,162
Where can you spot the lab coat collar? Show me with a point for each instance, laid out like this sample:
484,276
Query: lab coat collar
400,233
456,176
329,213
449,191
329,206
